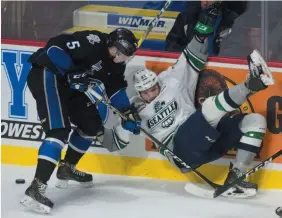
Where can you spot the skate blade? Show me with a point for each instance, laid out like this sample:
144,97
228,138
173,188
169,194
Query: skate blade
247,193
34,205
267,78
203,192
278,211
64,184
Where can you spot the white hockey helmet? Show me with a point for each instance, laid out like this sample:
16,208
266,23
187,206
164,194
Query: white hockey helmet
144,79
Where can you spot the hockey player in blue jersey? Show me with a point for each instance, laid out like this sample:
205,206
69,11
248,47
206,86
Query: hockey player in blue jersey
60,74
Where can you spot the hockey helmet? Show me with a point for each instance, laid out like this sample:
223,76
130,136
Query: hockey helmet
144,79
124,40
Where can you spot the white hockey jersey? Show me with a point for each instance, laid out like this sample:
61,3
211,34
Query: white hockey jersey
173,105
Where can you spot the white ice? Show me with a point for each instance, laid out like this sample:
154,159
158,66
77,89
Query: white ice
130,197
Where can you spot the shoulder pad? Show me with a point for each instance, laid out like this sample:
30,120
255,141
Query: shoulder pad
138,103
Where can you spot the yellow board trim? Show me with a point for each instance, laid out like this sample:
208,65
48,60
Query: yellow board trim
127,11
138,35
133,166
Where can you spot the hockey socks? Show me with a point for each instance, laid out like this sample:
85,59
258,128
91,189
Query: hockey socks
51,149
48,156
253,127
232,98
78,145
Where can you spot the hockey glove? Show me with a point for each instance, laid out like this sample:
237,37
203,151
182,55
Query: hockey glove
207,20
133,124
78,81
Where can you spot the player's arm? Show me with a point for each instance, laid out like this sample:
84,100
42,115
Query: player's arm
60,51
116,90
195,55
115,139
64,55
60,54
118,137
196,51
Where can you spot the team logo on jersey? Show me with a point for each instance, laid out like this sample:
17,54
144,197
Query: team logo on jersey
164,114
95,67
158,106
93,38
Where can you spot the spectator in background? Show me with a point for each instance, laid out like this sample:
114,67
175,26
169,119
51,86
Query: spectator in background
37,20
183,29
150,5
275,43
158,5
275,31
246,33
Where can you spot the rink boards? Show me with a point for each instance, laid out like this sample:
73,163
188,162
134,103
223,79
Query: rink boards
21,132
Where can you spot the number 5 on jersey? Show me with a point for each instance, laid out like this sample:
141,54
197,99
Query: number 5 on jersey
73,44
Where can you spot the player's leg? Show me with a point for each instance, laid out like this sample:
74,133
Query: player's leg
253,128
193,141
243,132
85,116
214,108
50,98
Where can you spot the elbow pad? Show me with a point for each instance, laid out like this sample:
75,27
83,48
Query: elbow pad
60,59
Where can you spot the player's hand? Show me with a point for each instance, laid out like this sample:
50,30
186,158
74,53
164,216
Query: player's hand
78,81
207,20
133,124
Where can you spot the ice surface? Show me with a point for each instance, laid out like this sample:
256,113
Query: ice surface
130,197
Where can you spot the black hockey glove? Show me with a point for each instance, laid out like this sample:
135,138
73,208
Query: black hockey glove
133,124
207,20
78,81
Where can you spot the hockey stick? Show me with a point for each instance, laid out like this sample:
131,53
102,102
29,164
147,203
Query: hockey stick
201,192
190,187
151,25
156,19
166,150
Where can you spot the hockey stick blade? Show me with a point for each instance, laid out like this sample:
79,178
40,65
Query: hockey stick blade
197,190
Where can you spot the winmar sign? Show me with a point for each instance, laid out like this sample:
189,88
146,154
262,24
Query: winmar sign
132,21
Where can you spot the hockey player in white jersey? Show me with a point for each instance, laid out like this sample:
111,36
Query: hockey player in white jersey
165,104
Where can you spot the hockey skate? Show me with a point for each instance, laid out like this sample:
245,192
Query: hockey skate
242,190
35,198
67,172
278,211
259,76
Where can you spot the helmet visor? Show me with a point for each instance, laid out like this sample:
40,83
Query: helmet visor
122,58
126,48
